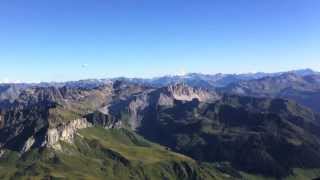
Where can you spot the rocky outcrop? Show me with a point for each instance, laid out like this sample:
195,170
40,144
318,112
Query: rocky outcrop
28,144
65,132
135,108
184,92
1,121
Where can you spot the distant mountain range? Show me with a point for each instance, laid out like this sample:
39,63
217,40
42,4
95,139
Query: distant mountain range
303,89
192,127
215,80
192,79
299,85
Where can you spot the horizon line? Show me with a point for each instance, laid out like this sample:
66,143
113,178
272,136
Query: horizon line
5,81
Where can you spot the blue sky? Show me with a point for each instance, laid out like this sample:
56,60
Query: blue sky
45,40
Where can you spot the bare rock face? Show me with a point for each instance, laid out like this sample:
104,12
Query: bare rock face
183,92
1,121
28,144
165,100
135,108
65,132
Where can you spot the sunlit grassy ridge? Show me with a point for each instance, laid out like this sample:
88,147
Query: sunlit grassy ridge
116,154
140,150
99,154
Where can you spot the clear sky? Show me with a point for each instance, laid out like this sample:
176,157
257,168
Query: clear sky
59,40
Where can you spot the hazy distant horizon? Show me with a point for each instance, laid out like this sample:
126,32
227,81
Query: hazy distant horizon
6,81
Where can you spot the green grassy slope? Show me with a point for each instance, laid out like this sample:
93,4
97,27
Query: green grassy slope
105,154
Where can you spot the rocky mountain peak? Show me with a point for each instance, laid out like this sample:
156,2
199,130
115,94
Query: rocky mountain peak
183,92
